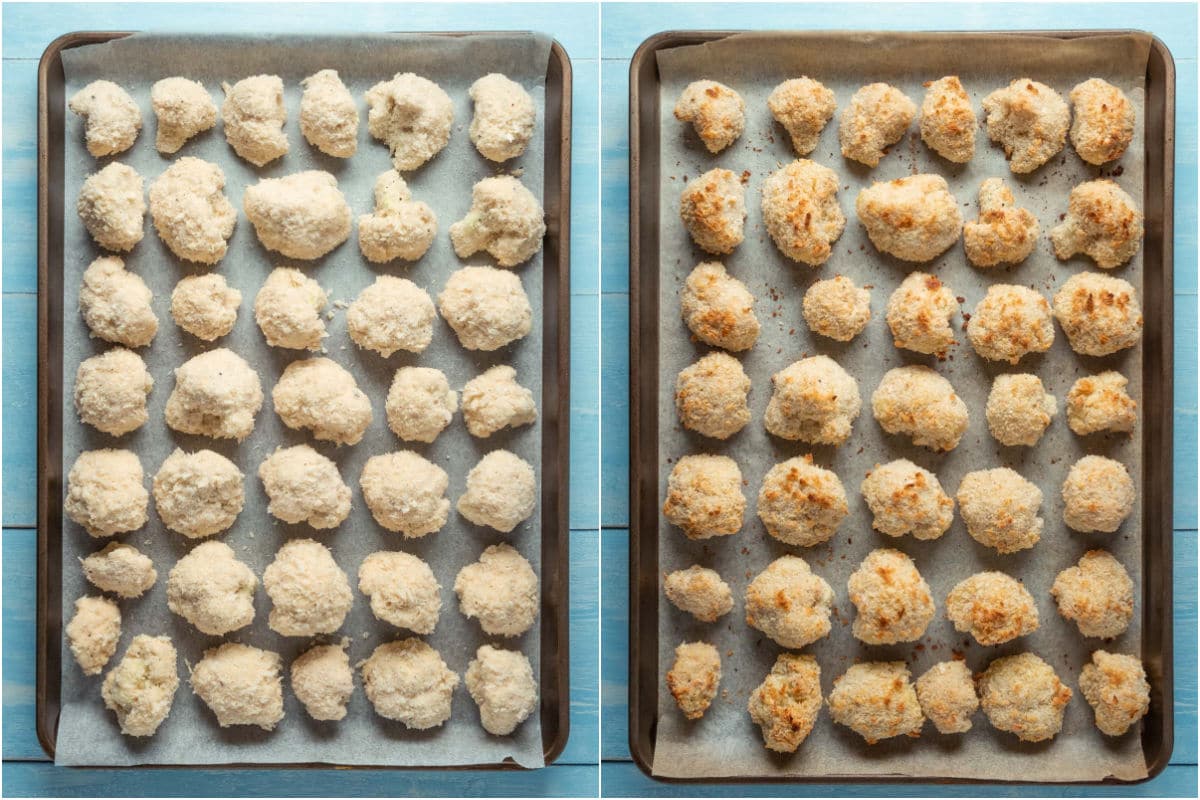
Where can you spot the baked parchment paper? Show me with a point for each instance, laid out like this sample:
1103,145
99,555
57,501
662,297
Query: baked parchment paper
88,734
726,742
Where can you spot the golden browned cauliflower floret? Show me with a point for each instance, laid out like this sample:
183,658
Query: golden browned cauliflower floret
501,590
786,704
494,400
947,696
1116,688
288,309
391,314
704,496
815,401
803,107
801,211
402,590
788,603
400,227
1019,409
111,391
212,590
1011,322
905,498
710,396
505,220
837,308
217,394
800,503
917,402
406,493
993,607
112,119
1099,313
93,633
321,396
304,486
1100,403
303,215
893,601
323,681
1096,594
253,113
504,117
718,308
713,209
700,592
501,491
717,112
328,115
1103,124
121,569
1000,509
1102,222
412,116
1021,694
105,494
486,307
948,120
241,685
420,403
877,117
877,701
409,682
914,218
501,683
112,207
198,494
1098,495
694,678
919,312
205,306
309,592
141,687
1004,233
1029,120
184,108
190,211
115,303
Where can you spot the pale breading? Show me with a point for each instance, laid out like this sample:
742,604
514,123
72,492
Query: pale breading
1102,222
893,601
1098,495
713,209
837,308
1004,233
399,227
948,120
254,114
947,696
391,314
289,310
183,108
420,403
93,633
803,106
501,491
112,207
1000,509
407,680
907,499
800,209
800,503
919,312
1096,594
413,116
328,114
1019,409
198,494
718,308
1022,694
494,400
814,400
115,303
917,402
700,592
406,493
1100,314
402,589
993,607
717,113
505,220
504,117
501,683
1029,120
141,687
321,396
112,120
217,394
241,685
876,118
190,211
789,603
914,218
121,569
212,589
1103,125
105,492
711,396
1100,403
205,306
1011,322
304,486
310,594
694,678
303,215
111,390
323,681
1116,688
704,496
500,590
877,701
486,307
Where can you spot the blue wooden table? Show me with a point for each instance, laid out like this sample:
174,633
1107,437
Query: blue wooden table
624,27
27,31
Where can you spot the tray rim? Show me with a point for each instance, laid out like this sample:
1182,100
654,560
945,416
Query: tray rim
554,496
642,752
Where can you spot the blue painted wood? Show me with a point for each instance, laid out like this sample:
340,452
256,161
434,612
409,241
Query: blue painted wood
614,170
585,179
20,409
614,447
1185,407
20,175
585,411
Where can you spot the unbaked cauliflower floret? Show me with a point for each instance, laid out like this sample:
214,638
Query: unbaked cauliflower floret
309,592
948,120
1004,233
788,603
217,394
1102,222
93,633
919,312
1029,120
111,391
837,308
1098,495
800,503
1010,322
391,314
803,107
717,112
253,113
323,681
205,306
500,590
184,108
241,685
328,115
402,590
917,402
905,498
408,681
198,494
694,678
1103,124
1099,313
501,491
420,403
914,218
713,209
303,215
486,307
406,493
121,569
503,121
105,494
501,683
112,120
893,601
112,207
1116,688
877,701
993,607
786,704
304,486
1019,409
947,696
1100,403
494,400
288,310
704,496
1000,509
412,116
400,227
141,687
718,308
115,303
1096,594
190,211
814,401
700,592
877,117
320,395
1021,694
801,211
710,396
212,590
505,220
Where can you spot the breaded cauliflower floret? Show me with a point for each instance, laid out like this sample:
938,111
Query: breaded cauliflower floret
288,309
198,494
501,683
1029,120
800,503
191,213
321,396
412,116
141,687
993,607
323,681
500,590
1116,688
713,209
788,603
947,696
216,394
717,112
93,633
893,601
786,704
917,402
402,590
914,218
700,592
391,314
184,108
1098,495
718,308
800,209
253,113
1096,594
504,117
877,117
837,308
948,120
1100,403
241,685
408,681
710,396
1021,694
112,207
694,678
420,403
905,498
310,594
1004,233
494,400
1103,124
111,391
115,303
105,494
205,306
121,569
486,307
406,493
112,119
328,115
1000,509
814,400
304,486
505,220
1102,222
1011,322
803,107
501,491
1099,313
1019,409
303,215
919,312
212,590
704,496
877,701
400,227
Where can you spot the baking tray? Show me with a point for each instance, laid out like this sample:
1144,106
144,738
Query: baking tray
554,406
1155,427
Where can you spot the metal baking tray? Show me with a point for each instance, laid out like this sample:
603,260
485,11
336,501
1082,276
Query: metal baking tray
554,406
1155,428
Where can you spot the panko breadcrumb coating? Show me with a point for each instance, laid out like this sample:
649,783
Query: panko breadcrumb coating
1102,222
504,117
1098,495
505,220
704,496
420,403
500,590
303,215
1100,403
800,209
1029,120
718,308
1096,594
1011,322
501,491
993,607
184,108
1004,233
198,494
190,211
486,307
494,400
93,633
786,704
408,681
112,207
217,394
391,314
1000,509
121,569
814,401
700,592
323,681
112,120
710,396
253,113
914,218
803,107
320,395
412,116
1022,694
304,486
288,309
310,594
115,303
694,678
501,683
141,687
948,120
919,312
212,590
402,590
328,114
105,494
837,308
1116,688
406,493
947,696
241,685
917,402
111,391
713,209
893,601
717,112
789,603
1103,123
905,498
1019,409
400,227
1099,313
877,701
800,503
205,306
876,118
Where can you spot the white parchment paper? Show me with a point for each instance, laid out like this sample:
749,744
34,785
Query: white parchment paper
88,734
726,742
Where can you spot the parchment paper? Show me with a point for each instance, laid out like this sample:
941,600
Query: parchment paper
88,734
726,742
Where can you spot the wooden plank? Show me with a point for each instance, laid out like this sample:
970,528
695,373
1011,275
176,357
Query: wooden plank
614,447
20,176
585,178
20,408
585,412
1185,408
614,170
